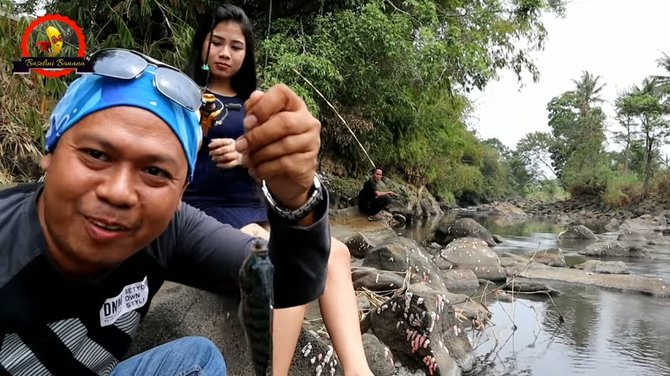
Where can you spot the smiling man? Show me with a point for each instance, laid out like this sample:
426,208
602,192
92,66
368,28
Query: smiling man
84,253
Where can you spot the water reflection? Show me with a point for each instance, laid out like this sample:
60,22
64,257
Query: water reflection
605,333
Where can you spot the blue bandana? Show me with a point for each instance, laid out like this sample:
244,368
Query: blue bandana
92,93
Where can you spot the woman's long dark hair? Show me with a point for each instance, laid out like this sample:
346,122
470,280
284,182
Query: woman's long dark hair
244,82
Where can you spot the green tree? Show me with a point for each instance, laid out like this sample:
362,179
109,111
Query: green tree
578,129
644,103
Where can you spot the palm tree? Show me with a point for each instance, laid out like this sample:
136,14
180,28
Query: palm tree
587,92
663,82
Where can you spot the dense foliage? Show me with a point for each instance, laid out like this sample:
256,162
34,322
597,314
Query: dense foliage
397,71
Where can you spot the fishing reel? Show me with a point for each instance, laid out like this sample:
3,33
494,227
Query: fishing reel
210,109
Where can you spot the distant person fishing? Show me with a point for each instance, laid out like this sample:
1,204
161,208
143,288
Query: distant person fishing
371,199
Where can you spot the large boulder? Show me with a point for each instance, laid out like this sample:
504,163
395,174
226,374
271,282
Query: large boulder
421,329
461,228
412,202
578,232
614,249
375,279
551,257
603,267
405,255
474,254
177,311
644,230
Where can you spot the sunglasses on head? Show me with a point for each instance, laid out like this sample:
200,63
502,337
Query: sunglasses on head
127,65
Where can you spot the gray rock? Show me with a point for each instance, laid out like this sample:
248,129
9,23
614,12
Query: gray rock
498,239
460,280
474,254
550,257
461,228
359,245
604,267
403,255
375,279
614,249
526,286
177,311
380,357
578,232
421,329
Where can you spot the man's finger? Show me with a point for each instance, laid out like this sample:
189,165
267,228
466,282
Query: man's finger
279,126
294,144
277,99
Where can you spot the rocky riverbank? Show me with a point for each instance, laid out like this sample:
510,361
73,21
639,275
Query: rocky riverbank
417,301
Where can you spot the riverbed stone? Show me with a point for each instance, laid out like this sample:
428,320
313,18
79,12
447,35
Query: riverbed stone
463,227
474,254
604,267
614,249
460,280
527,286
551,257
405,255
375,279
421,329
578,232
177,311
379,356
359,245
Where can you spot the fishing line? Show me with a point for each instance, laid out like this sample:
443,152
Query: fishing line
339,116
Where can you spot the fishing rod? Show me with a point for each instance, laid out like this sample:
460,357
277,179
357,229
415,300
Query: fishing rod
339,116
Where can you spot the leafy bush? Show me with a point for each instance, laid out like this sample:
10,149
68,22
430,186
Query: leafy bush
623,190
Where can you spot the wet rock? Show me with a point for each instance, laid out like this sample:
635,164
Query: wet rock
421,328
489,291
510,259
507,209
578,232
359,245
604,267
400,218
550,257
404,255
526,286
498,239
613,249
474,254
462,227
375,279
467,309
460,280
644,230
379,356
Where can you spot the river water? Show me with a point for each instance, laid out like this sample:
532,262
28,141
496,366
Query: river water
605,333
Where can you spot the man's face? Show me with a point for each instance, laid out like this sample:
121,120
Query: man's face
377,175
113,183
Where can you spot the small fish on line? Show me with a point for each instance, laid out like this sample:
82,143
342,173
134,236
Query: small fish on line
256,304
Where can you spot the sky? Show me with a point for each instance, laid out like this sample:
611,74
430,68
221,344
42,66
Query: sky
619,40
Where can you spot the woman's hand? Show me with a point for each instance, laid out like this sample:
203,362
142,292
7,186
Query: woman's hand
223,153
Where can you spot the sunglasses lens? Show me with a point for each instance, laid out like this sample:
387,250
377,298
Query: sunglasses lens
178,87
118,64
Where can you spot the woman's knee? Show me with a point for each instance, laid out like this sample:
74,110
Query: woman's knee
340,258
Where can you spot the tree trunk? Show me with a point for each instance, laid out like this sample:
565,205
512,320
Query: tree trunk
647,167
